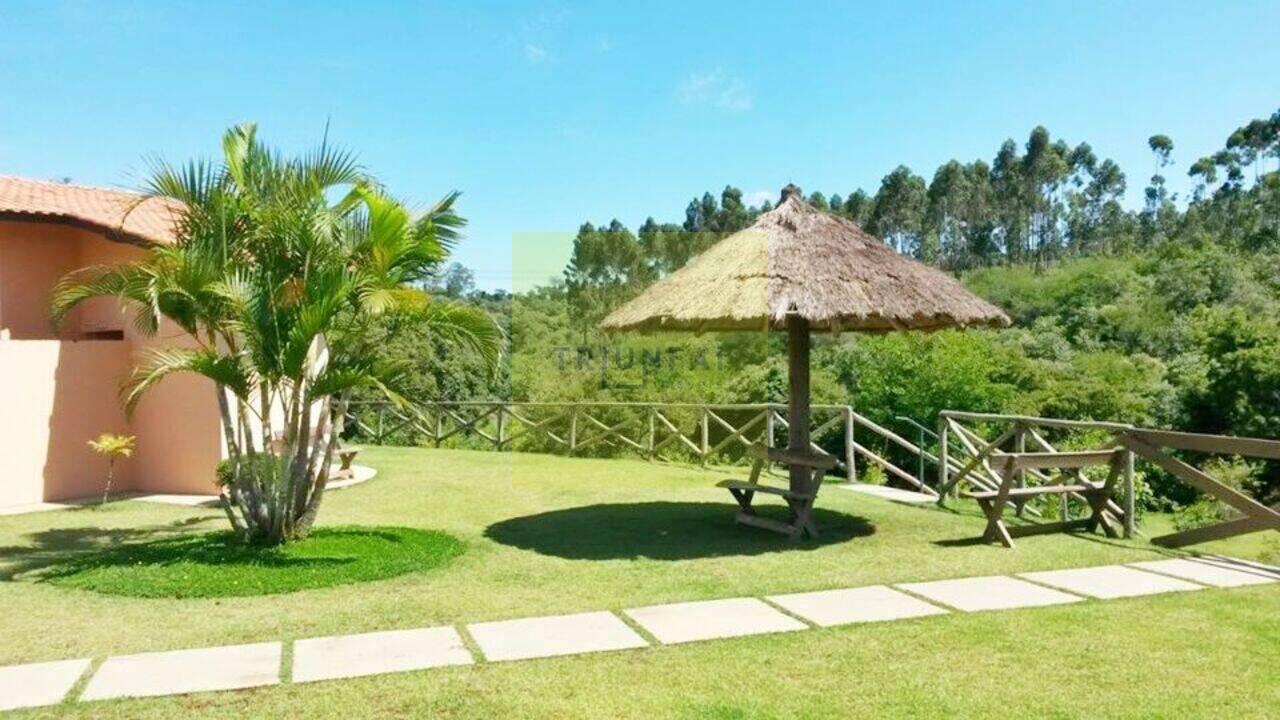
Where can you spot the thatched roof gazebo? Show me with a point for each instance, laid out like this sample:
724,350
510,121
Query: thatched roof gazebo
805,270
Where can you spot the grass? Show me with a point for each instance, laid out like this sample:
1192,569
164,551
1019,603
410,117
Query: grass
552,535
215,564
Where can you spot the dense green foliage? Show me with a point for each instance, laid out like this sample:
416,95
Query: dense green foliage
1164,316
206,565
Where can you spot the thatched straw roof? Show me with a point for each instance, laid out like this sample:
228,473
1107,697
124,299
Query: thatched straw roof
796,258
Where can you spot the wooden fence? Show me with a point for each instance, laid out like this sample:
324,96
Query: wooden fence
705,433
710,433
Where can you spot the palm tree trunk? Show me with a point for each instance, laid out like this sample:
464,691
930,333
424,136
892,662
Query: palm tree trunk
111,468
308,517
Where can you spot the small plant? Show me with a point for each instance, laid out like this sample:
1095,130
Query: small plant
1235,473
112,447
874,475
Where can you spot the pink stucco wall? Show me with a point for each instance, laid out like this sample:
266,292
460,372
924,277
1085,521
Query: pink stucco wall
57,396
57,391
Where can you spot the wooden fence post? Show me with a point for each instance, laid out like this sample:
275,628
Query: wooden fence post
1064,507
501,438
944,472
1129,501
706,434
1020,447
850,469
573,430
439,424
653,432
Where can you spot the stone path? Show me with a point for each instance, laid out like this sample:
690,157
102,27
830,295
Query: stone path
375,653
347,656
555,635
1110,581
988,593
711,619
876,603
186,671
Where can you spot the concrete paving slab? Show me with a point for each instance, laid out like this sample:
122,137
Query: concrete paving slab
1248,566
554,635
1206,573
38,684
1110,581
866,604
705,620
890,493
186,671
375,653
988,593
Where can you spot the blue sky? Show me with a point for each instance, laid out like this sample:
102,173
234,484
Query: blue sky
549,114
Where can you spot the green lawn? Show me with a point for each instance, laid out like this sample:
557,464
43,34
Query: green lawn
546,535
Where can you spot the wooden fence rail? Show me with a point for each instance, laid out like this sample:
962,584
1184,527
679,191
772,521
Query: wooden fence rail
703,432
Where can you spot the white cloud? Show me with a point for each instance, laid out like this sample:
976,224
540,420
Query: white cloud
714,87
534,53
758,198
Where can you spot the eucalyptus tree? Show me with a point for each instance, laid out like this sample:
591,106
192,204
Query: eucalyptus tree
1160,213
948,195
607,266
280,269
899,212
857,207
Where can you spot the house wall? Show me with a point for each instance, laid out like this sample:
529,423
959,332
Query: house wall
178,428
32,258
57,397
60,390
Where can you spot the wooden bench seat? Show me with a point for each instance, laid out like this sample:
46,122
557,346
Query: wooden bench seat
346,456
756,487
800,502
1031,491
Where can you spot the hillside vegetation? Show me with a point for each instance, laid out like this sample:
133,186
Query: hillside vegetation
1163,316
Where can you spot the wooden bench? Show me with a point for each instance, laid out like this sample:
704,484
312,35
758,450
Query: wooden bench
346,456
799,501
994,502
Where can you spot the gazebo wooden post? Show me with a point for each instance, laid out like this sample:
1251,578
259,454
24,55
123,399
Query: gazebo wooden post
798,396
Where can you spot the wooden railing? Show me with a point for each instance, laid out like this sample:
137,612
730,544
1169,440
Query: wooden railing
711,433
704,433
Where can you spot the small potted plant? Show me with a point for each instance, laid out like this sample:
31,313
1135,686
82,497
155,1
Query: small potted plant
113,447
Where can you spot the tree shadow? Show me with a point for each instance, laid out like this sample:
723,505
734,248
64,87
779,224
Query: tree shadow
56,546
663,531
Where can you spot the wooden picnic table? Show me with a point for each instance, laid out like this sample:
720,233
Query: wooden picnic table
800,501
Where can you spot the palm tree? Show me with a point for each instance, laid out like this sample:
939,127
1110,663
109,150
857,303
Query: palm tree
280,269
112,447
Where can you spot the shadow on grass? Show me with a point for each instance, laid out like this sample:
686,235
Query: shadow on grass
60,545
216,564
663,531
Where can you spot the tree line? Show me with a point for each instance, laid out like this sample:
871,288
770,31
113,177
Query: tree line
1037,203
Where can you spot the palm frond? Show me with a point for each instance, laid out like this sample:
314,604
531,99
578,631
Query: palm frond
465,325
159,363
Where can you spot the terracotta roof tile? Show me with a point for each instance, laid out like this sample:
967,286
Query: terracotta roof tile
115,212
